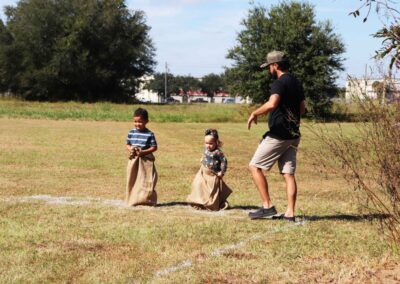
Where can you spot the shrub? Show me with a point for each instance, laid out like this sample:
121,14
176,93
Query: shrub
369,159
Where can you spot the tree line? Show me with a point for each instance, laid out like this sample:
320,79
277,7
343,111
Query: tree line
98,50
209,84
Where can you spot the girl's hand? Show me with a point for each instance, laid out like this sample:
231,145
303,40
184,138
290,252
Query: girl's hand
219,174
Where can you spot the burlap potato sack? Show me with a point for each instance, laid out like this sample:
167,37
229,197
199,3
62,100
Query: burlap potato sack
141,181
208,190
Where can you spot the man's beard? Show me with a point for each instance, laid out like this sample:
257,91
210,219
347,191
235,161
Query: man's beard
274,75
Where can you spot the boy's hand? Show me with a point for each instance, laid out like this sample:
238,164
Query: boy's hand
138,152
133,152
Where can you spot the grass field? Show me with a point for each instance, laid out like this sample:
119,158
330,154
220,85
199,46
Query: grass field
89,236
13,108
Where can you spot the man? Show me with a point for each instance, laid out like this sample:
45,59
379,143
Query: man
285,105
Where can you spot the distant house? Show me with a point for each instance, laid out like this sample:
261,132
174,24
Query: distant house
218,98
197,96
373,89
147,96
221,97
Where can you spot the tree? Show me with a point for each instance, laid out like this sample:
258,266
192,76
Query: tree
212,83
175,84
157,84
185,83
209,84
5,39
86,50
314,52
390,34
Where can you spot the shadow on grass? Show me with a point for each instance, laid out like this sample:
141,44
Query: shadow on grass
347,217
179,203
169,204
244,207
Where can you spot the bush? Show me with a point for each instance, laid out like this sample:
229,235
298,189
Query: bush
369,159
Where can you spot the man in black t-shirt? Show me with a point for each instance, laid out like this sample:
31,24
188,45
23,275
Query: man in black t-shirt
285,106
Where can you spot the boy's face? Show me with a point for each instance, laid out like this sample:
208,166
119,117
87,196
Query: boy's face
140,123
210,143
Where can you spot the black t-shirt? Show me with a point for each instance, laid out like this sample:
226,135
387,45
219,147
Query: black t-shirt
284,120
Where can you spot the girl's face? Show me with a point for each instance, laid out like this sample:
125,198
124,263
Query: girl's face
210,143
140,123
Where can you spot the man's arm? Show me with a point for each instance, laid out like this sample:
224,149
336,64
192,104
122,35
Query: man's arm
302,108
264,109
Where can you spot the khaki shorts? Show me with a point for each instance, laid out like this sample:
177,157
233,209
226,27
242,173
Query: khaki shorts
271,150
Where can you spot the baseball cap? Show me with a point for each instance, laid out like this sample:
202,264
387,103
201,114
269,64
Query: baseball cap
274,57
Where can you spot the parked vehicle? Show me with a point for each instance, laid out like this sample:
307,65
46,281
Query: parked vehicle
229,101
143,101
199,100
171,100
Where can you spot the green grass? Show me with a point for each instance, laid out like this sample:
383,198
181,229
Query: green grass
42,242
13,108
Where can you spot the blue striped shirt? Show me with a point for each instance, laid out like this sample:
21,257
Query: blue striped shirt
142,139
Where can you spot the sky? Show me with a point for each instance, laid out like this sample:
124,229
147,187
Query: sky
192,37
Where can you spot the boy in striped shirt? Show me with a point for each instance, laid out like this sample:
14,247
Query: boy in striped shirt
141,171
140,141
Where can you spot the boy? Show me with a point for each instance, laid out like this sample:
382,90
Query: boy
141,171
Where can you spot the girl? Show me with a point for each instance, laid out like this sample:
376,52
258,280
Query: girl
209,191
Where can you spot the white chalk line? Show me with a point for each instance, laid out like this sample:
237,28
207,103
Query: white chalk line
223,250
64,200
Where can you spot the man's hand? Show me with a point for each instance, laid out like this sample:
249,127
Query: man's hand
252,118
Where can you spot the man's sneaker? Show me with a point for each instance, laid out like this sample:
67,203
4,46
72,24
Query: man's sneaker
263,213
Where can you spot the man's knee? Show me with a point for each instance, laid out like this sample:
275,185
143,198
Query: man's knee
252,168
288,176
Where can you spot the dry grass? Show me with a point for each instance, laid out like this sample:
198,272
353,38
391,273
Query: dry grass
41,242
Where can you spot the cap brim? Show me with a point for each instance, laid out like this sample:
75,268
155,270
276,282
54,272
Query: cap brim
264,65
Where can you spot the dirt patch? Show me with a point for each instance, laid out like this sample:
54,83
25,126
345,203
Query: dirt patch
239,255
232,278
339,270
389,273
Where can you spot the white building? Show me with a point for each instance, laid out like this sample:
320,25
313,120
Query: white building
361,88
147,96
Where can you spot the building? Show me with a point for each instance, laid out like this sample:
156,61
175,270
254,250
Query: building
147,96
373,89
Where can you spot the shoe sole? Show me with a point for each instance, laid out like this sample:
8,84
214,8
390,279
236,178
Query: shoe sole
283,218
262,217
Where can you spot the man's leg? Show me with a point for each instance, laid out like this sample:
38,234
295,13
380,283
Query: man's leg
261,184
291,191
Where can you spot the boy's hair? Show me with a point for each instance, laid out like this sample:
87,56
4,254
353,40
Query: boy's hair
214,133
142,113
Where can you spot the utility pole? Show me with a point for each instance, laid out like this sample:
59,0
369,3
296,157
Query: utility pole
165,82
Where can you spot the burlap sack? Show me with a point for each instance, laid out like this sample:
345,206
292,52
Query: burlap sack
208,190
141,181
